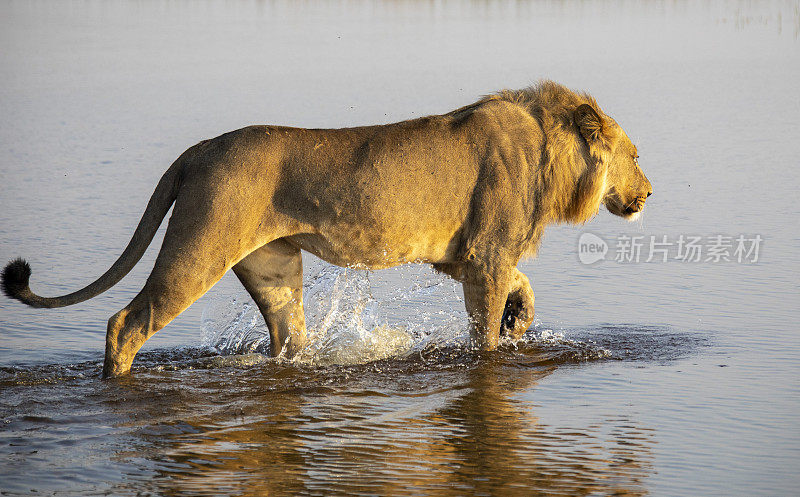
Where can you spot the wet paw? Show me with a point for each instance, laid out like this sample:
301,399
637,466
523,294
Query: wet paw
516,319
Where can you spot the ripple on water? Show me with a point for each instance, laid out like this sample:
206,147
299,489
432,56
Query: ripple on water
397,349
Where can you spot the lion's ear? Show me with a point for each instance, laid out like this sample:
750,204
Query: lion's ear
589,122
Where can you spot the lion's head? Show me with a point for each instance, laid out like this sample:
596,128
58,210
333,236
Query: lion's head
626,187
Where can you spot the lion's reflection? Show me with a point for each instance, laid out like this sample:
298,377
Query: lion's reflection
457,430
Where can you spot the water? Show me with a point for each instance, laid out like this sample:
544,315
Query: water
660,378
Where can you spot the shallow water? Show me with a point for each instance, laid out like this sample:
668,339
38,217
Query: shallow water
637,378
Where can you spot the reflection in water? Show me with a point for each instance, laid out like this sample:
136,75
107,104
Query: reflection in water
389,428
443,421
502,446
244,442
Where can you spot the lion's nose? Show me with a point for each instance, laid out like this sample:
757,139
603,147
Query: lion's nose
649,193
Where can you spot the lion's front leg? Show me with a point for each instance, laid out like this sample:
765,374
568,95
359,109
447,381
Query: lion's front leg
518,313
485,294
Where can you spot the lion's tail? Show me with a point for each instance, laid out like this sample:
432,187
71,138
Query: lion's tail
17,273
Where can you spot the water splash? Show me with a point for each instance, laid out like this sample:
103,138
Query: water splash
345,326
356,317
347,322
233,325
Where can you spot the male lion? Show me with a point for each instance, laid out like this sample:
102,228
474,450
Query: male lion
469,192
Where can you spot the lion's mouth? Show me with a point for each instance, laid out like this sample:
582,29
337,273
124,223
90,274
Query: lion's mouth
636,205
631,216
630,210
634,208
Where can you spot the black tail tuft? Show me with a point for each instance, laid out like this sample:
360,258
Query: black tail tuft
15,278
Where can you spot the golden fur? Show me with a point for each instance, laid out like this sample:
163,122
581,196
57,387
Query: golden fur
470,192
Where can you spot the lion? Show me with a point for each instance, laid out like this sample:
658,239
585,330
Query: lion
469,192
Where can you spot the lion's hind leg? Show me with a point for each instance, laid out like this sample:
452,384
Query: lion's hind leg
193,257
273,276
166,294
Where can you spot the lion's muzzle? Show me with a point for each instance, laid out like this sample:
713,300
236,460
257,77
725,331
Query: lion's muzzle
636,205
